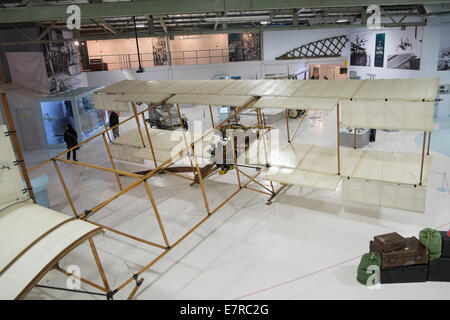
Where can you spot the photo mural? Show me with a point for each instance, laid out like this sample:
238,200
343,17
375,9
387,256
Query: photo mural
404,48
61,62
398,48
444,50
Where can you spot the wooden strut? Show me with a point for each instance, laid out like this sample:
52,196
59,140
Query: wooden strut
93,166
125,234
233,147
99,264
170,116
258,183
354,138
298,125
423,156
429,141
287,125
155,209
66,191
141,179
166,163
149,140
112,162
58,268
276,193
263,122
138,123
185,139
212,118
176,243
199,174
136,287
12,130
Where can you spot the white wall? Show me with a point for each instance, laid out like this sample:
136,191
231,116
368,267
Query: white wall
277,43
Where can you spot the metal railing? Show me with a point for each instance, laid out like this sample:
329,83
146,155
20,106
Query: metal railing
188,57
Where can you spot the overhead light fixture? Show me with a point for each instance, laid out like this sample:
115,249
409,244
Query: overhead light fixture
236,18
140,25
264,22
76,43
341,20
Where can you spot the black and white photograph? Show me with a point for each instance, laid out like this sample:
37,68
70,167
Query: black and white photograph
360,49
444,50
404,48
61,61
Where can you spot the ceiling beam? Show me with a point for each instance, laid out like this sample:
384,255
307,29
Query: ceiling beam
209,31
163,24
52,12
47,30
105,25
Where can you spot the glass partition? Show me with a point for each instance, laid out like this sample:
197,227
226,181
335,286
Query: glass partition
56,115
90,119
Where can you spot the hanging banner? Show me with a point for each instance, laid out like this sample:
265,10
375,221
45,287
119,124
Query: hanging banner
379,49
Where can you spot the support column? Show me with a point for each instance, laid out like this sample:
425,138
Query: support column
338,142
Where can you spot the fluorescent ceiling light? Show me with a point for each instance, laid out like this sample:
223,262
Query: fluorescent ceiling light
140,25
236,18
341,20
264,22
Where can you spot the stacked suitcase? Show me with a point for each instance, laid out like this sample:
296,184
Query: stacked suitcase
439,269
407,260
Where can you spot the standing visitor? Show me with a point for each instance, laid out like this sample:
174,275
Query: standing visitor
114,120
71,140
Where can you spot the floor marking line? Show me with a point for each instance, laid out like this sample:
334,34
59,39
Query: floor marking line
312,273
299,278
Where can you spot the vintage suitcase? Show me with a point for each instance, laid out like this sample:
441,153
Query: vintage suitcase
412,273
389,242
445,245
413,253
439,270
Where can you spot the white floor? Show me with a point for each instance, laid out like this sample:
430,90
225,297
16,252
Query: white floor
306,245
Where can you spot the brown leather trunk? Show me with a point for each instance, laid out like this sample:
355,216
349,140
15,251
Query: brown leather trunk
389,242
413,253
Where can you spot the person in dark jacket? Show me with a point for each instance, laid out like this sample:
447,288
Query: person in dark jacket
373,133
71,140
114,120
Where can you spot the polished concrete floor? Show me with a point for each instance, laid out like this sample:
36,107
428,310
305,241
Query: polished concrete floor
306,245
